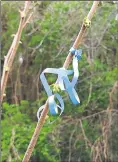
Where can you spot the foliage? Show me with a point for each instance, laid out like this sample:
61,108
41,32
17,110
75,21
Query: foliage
17,117
45,43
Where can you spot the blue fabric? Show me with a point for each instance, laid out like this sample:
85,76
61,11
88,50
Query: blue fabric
76,52
63,82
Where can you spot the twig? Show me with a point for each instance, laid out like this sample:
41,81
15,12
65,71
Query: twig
28,20
14,46
13,149
87,142
90,93
66,64
70,141
115,87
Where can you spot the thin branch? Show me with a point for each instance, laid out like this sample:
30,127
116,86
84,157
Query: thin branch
28,20
9,58
87,142
70,141
12,148
90,93
66,64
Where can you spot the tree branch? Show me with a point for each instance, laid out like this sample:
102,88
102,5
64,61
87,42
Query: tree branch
66,64
14,46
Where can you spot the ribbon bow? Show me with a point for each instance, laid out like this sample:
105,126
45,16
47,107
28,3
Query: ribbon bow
64,84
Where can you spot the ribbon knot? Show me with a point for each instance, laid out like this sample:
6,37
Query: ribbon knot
76,52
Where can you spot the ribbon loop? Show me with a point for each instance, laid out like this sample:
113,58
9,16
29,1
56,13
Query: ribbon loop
53,106
64,84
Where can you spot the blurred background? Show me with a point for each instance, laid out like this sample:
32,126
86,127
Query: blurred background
83,133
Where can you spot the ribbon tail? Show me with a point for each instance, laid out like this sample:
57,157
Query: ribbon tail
71,91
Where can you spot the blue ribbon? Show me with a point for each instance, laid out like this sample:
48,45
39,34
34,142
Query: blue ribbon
64,84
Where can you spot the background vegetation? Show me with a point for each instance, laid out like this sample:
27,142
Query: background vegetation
84,133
